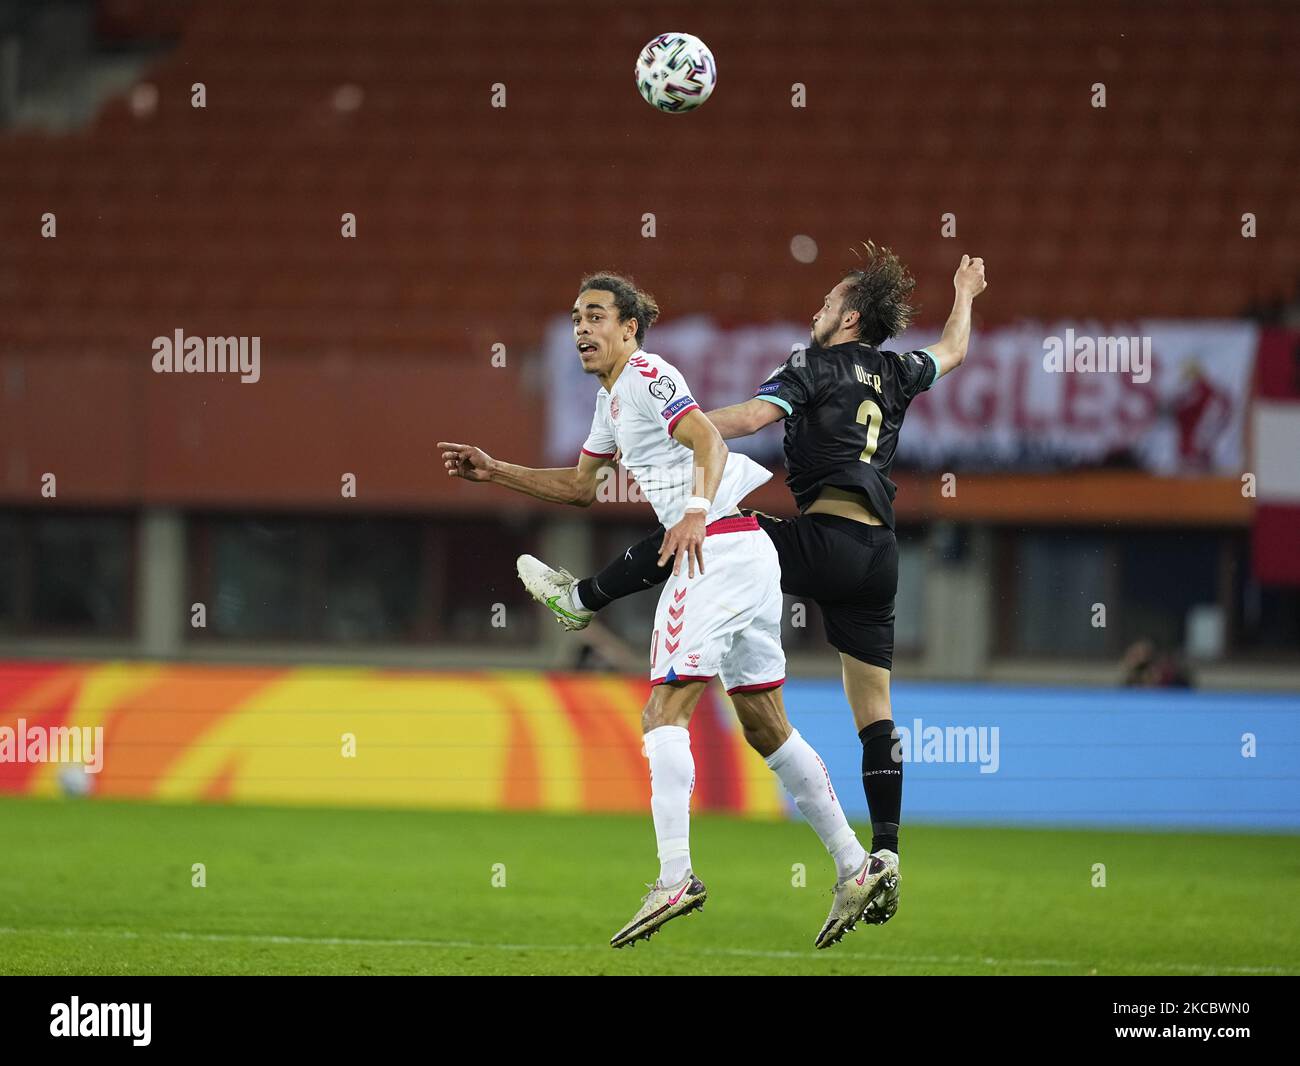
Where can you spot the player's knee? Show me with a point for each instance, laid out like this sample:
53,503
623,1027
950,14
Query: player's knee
871,706
763,722
667,705
655,716
867,689
764,738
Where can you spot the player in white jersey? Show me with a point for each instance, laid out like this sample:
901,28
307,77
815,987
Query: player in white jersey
718,615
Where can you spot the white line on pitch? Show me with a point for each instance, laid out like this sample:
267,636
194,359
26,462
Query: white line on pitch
749,953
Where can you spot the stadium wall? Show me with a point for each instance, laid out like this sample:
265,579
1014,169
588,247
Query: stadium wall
522,740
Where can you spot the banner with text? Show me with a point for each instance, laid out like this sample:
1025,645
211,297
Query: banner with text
1169,397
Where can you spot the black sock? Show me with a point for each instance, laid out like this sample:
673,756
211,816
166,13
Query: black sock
636,570
882,781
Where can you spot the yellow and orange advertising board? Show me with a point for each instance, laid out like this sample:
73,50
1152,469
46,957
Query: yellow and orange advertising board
488,740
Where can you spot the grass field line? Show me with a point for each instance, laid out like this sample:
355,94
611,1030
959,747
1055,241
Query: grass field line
748,953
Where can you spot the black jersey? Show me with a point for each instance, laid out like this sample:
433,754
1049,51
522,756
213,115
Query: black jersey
844,407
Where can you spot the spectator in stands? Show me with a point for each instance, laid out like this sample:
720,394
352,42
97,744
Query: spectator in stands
1145,666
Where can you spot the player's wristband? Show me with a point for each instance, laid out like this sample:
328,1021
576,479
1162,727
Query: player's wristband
699,503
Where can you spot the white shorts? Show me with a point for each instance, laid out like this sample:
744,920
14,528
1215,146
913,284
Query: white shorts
727,621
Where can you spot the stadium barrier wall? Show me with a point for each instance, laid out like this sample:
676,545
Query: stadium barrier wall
516,740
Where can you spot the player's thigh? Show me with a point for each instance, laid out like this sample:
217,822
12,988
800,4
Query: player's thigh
824,561
755,660
799,555
698,617
859,621
671,703
867,688
863,630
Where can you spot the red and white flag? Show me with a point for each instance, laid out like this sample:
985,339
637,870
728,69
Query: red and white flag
1275,438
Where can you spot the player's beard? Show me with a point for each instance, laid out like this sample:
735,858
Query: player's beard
822,333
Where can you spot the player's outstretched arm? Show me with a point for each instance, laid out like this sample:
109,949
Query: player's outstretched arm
742,419
969,282
574,485
686,539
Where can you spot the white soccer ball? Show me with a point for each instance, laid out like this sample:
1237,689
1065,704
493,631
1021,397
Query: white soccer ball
676,72
73,780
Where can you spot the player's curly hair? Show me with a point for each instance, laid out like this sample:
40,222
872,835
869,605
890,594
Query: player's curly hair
630,301
881,294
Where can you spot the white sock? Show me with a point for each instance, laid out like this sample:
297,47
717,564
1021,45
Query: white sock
672,780
804,776
575,599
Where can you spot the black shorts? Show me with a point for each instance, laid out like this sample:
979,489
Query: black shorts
850,570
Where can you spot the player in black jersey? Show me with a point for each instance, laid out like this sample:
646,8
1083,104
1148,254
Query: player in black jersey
843,400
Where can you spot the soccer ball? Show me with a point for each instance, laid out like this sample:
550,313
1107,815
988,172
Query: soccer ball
74,781
675,72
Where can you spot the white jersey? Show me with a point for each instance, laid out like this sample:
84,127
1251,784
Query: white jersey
637,417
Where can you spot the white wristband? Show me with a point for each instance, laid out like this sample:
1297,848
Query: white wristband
699,503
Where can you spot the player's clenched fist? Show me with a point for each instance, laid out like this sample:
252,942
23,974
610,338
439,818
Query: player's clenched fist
464,460
969,279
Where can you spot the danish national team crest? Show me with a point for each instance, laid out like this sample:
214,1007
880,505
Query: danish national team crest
613,408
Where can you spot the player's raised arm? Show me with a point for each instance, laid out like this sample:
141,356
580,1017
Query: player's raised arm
574,485
742,419
686,538
950,352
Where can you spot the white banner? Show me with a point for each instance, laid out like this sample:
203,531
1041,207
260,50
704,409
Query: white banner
1166,396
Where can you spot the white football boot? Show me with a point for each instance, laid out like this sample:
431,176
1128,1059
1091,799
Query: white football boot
659,906
857,894
885,905
552,588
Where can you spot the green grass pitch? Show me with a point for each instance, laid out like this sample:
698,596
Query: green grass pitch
92,887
